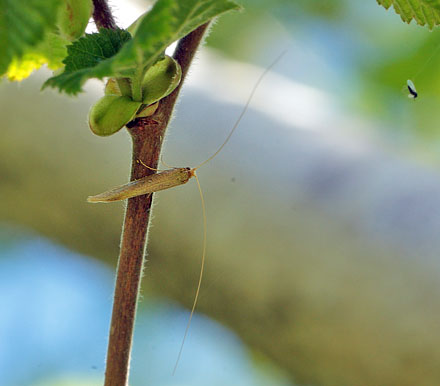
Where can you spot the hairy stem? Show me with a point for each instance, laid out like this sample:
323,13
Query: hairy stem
147,135
102,15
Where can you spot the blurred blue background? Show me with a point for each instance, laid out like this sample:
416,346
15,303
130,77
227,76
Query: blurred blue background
56,309
323,212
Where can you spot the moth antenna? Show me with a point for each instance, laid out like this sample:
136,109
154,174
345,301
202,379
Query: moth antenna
246,106
168,166
202,268
426,62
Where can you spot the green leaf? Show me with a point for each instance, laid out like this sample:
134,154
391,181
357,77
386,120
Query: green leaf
167,21
51,51
73,18
23,24
89,57
422,11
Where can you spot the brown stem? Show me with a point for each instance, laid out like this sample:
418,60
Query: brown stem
147,135
102,15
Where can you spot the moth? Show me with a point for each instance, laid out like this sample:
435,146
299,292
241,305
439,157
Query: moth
175,176
171,178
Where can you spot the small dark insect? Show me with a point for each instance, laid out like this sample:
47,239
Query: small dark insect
412,89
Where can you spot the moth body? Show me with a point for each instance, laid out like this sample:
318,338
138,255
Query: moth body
149,184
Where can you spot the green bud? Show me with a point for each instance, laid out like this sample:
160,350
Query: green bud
118,86
112,87
111,113
160,80
147,111
73,17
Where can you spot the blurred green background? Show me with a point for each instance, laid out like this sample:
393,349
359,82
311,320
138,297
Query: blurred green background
323,212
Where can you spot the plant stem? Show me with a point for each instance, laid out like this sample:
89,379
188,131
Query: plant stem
102,15
147,135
